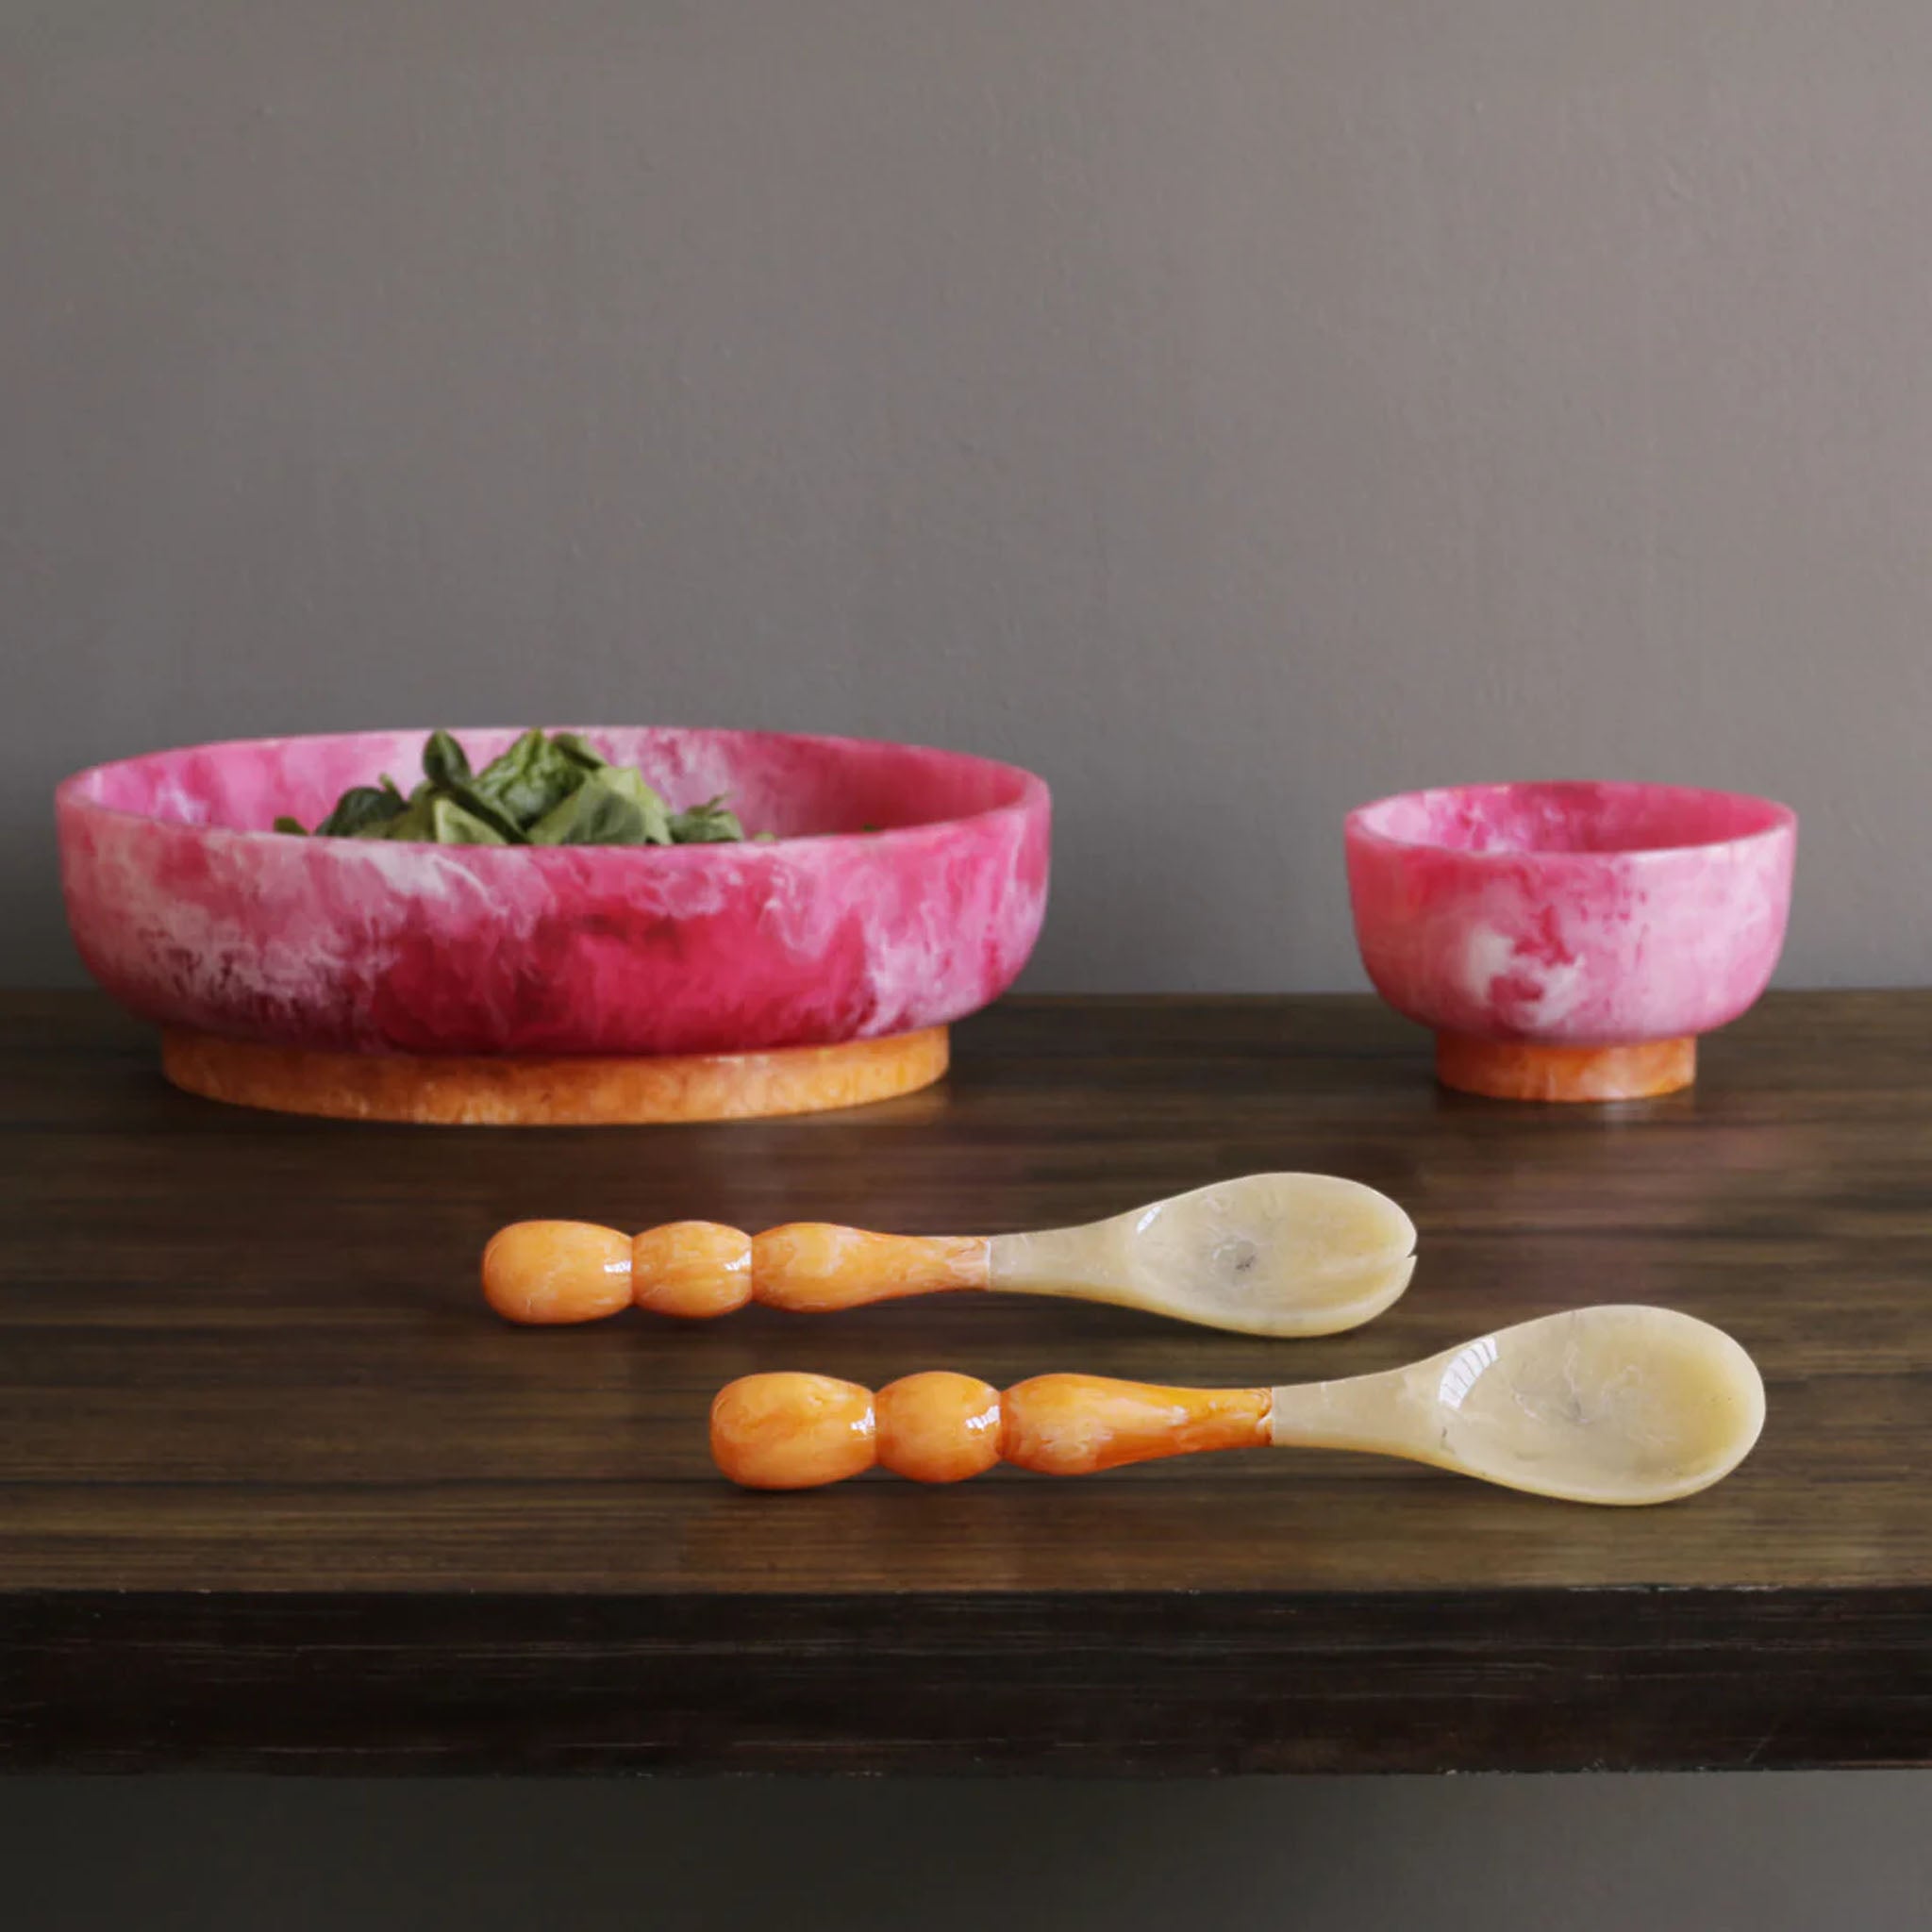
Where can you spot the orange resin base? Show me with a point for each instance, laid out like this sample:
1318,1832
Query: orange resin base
1519,1070
563,1093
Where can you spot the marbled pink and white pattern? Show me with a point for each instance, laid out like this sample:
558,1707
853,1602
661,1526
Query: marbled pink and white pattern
1574,914
190,911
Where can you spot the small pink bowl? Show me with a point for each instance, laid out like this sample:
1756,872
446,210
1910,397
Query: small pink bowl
1569,941
192,913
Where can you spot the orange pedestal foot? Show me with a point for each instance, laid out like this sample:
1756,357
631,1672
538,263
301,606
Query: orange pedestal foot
1519,1070
513,1092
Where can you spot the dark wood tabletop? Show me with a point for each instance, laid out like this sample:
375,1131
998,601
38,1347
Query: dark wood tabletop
277,1490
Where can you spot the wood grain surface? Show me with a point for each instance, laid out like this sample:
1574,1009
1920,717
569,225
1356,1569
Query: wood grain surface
276,1489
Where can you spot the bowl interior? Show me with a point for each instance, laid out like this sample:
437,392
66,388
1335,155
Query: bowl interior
1570,818
778,782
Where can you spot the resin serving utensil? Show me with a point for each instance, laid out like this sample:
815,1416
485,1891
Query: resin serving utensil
1273,1254
1569,941
1617,1405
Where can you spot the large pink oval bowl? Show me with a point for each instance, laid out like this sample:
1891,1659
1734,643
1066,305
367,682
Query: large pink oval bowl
192,913
1569,941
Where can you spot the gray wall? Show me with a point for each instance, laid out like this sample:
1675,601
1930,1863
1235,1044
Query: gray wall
1748,1853
1234,410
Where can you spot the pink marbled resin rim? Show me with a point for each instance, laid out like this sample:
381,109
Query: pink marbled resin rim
78,792
1361,825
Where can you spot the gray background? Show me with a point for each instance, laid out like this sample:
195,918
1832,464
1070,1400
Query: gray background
1765,1854
1233,409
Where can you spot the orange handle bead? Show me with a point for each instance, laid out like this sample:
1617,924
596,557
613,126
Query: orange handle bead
939,1427
1075,1425
812,1267
695,1269
793,1432
556,1271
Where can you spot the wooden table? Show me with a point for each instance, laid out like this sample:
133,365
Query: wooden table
275,1490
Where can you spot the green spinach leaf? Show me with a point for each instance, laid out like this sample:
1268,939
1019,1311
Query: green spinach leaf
463,793
613,807
443,759
572,745
712,823
360,807
451,825
532,777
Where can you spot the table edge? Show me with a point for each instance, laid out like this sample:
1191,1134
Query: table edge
1087,1684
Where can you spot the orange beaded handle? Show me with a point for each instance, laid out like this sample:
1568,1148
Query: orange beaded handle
573,1270
791,1431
